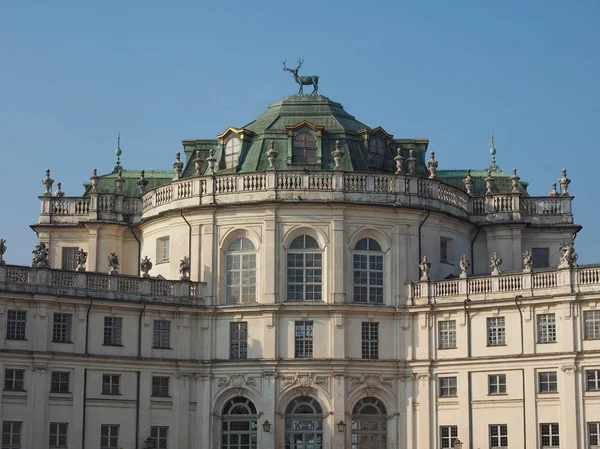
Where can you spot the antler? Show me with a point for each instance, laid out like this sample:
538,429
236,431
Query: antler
285,67
300,62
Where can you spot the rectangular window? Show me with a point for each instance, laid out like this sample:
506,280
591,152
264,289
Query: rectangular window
61,331
547,382
447,334
591,324
546,328
594,435
498,436
15,325
540,257
447,436
370,340
60,382
445,250
161,336
238,340
162,250
14,379
112,330
69,258
111,384
592,380
160,386
549,435
159,434
304,276
109,436
304,340
448,387
58,435
11,434
496,331
497,384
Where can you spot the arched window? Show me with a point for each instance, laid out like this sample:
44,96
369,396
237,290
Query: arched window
239,424
377,152
304,148
240,271
369,421
232,151
304,270
367,263
304,424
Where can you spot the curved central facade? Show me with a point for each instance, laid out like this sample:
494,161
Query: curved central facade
340,295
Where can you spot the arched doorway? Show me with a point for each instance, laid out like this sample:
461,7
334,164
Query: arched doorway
239,427
369,424
304,424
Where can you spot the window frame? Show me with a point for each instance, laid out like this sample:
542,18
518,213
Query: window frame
16,379
595,380
447,442
497,382
550,380
448,387
367,274
370,340
15,432
550,434
314,271
502,433
60,431
160,434
109,384
591,318
68,259
446,250
113,331
303,345
161,334
595,433
536,255
447,335
159,389
546,328
16,325
230,158
58,382
496,331
62,331
238,346
163,249
379,155
246,276
306,158
106,438
236,412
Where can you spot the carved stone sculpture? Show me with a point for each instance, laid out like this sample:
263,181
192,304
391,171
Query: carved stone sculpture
412,162
40,256
81,259
468,182
47,183
303,80
272,154
564,183
94,180
197,162
527,262
113,263
211,159
495,263
514,179
568,256
432,165
119,181
177,165
553,192
464,266
59,193
425,265
142,182
337,155
399,162
145,266
489,183
2,251
184,269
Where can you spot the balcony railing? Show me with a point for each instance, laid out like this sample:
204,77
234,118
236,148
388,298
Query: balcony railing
76,283
399,190
542,283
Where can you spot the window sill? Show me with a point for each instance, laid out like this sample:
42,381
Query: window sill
547,342
449,347
303,301
161,347
497,394
591,339
63,342
111,394
111,344
448,397
161,398
15,339
492,346
549,393
445,262
19,392
60,393
160,262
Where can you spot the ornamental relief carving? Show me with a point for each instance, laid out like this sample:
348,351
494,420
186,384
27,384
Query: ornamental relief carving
237,381
371,381
305,381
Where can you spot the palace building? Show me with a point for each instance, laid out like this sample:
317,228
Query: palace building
305,281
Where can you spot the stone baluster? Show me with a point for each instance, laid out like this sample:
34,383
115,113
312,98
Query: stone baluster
432,165
564,183
47,183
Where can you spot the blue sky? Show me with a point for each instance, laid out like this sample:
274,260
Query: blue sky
73,74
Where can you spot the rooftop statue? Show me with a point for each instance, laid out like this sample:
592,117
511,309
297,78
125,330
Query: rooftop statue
303,80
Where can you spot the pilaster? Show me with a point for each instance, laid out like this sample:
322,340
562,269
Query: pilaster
568,405
270,275
338,243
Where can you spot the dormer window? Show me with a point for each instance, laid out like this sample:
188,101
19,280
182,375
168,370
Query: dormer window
304,150
232,151
377,152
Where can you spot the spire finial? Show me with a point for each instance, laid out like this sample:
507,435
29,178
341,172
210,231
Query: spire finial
493,165
118,153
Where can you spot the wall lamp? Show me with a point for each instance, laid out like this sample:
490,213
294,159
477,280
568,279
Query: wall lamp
266,426
341,426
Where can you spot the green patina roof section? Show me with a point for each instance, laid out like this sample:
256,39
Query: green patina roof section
106,183
502,182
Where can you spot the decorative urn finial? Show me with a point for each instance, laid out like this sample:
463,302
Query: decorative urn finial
40,256
468,182
424,266
119,181
553,192
142,182
145,266
81,259
495,263
184,268
197,162
464,266
177,165
515,181
113,263
272,154
432,165
489,183
399,162
94,180
412,162
564,183
47,183
59,193
337,155
2,251
527,262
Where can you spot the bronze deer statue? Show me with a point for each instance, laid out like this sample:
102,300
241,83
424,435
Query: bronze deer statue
303,80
